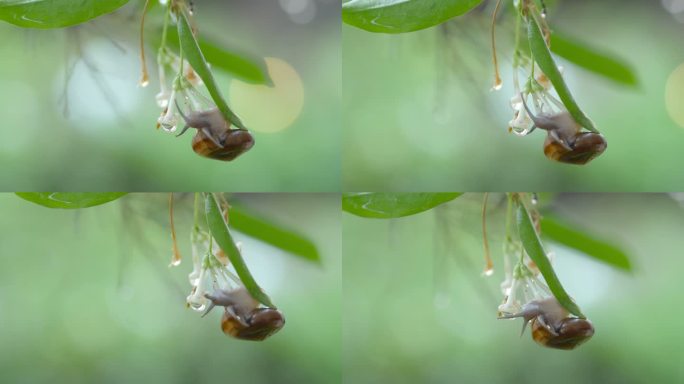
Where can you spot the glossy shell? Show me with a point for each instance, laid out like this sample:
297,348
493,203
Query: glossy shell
586,147
262,323
234,142
569,334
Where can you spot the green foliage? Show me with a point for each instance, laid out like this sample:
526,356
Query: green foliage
543,57
574,238
66,200
271,233
393,205
244,67
533,247
399,16
193,54
46,14
219,230
593,60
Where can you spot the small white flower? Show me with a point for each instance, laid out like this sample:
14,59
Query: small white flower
522,123
526,287
194,276
168,120
210,276
511,250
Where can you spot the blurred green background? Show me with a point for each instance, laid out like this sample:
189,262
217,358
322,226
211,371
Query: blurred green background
417,309
87,296
419,115
107,139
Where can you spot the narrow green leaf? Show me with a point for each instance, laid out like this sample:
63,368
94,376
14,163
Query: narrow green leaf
55,13
543,57
592,59
219,230
534,248
248,68
65,200
393,205
262,229
566,235
194,56
399,16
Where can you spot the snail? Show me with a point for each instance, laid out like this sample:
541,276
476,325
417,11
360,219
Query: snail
565,141
242,317
214,138
551,325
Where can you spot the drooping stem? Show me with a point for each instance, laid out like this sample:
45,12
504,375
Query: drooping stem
197,207
145,78
497,75
176,259
509,216
165,27
489,265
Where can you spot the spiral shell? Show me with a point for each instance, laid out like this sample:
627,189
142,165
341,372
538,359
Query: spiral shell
261,324
568,334
233,143
585,147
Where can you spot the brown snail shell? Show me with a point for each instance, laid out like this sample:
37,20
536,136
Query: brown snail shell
565,141
585,147
233,143
261,324
568,334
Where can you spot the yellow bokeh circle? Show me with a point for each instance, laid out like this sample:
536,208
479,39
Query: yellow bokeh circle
674,95
269,109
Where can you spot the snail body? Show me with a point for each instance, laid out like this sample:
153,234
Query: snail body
551,325
243,318
214,138
565,142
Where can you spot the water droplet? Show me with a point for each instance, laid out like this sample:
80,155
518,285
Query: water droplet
497,86
488,272
168,129
520,131
144,83
198,307
175,262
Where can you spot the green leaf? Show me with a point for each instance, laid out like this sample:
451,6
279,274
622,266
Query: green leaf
69,200
248,68
566,235
543,57
194,56
592,59
393,205
534,248
262,229
55,13
399,16
219,230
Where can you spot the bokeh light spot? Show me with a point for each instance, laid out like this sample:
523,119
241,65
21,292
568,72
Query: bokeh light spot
270,109
674,95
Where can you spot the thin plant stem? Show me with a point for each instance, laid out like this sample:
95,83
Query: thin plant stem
495,60
145,78
489,265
